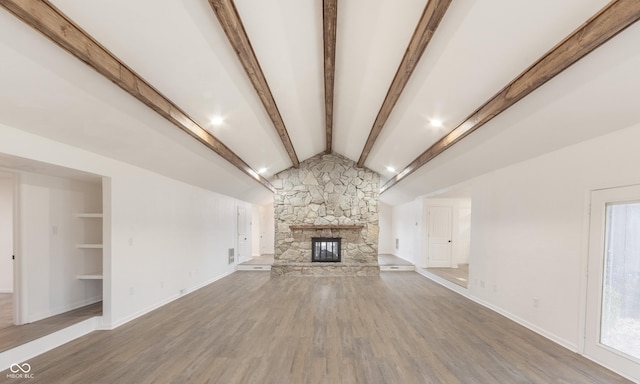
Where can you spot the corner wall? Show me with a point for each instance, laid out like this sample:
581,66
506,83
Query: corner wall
166,237
407,227
529,231
385,239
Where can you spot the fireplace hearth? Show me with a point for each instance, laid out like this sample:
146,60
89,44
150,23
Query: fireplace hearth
325,249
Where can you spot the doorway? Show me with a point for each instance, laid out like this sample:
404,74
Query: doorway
447,244
439,236
612,327
243,230
7,311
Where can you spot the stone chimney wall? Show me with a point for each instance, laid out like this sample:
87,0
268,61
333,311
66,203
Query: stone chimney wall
326,190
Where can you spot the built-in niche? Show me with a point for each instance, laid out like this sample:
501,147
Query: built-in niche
60,243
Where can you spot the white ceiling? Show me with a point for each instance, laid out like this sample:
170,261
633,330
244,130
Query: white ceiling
179,47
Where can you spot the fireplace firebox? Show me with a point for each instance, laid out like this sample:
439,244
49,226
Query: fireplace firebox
325,249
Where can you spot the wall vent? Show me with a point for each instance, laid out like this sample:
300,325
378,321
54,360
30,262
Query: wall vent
232,255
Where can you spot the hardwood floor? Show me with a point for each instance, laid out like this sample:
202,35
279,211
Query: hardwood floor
15,335
459,276
249,328
6,310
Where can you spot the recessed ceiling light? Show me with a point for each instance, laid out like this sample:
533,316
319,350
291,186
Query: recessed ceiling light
262,170
217,120
391,169
436,123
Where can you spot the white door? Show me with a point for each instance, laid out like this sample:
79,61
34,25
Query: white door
612,327
243,235
439,237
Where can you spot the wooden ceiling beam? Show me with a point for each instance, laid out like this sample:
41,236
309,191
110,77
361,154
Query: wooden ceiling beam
52,23
431,16
329,24
608,22
227,14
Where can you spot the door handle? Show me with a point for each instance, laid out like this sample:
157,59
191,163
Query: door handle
449,240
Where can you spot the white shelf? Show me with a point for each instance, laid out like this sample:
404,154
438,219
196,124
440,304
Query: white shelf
89,215
92,226
89,246
90,276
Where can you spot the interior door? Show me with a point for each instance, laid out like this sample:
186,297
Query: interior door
243,235
439,237
612,326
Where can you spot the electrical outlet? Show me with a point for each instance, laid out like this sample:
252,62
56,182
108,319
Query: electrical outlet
536,302
481,283
131,291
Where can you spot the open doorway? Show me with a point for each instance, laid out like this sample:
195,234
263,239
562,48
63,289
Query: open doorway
52,222
447,226
6,250
612,316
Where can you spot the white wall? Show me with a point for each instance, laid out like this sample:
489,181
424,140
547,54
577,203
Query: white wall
6,234
162,237
267,229
463,245
167,238
49,233
407,225
529,228
255,230
385,239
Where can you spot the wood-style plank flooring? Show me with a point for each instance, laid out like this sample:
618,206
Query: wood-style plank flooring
250,328
459,276
15,335
6,310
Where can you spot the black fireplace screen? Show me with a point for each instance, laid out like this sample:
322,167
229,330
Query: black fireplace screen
325,249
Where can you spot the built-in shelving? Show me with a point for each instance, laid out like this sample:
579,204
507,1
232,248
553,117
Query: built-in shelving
91,276
92,261
89,215
89,246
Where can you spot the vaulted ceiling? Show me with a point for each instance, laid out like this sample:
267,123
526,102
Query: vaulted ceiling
290,79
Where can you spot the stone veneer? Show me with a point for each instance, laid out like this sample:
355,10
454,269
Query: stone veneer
326,190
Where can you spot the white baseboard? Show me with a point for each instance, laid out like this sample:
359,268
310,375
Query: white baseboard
164,302
464,292
24,352
444,282
558,340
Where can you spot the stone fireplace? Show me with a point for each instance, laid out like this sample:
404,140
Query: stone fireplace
327,197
